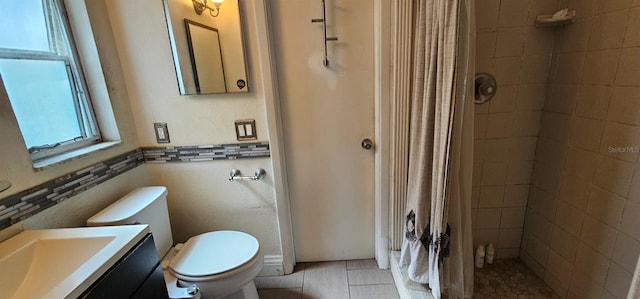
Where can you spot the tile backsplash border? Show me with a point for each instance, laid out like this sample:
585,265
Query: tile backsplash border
30,202
203,153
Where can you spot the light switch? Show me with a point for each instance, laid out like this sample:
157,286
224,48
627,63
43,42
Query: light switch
246,129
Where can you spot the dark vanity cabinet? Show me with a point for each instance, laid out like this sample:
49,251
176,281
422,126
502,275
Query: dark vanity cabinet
137,275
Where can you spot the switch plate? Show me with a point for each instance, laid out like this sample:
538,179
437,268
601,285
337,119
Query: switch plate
246,129
162,132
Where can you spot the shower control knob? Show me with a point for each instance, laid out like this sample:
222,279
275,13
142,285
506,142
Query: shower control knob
367,144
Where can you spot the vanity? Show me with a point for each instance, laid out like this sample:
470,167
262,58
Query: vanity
86,262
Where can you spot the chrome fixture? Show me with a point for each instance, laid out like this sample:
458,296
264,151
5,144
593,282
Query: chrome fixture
325,62
485,88
200,5
367,144
236,175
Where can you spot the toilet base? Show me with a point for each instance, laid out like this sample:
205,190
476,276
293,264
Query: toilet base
247,292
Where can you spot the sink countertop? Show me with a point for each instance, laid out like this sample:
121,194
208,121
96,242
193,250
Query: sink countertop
62,263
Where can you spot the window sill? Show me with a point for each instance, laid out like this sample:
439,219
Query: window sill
72,155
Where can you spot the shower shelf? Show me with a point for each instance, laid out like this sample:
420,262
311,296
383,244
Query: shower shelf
561,17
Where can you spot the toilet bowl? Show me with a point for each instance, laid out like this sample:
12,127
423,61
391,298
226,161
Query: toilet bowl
221,264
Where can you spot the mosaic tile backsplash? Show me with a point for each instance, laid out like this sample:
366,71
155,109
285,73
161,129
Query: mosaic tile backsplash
201,153
27,203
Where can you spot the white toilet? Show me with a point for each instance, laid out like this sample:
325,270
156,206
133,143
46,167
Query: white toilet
222,264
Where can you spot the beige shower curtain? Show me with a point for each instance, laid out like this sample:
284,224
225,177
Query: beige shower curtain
437,247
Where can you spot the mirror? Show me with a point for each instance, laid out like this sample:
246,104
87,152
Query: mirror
208,51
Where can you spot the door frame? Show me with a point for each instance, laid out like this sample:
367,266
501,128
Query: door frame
382,66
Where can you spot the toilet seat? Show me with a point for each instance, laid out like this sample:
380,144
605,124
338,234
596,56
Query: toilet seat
214,253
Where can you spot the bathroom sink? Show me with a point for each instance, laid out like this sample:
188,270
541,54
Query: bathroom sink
62,263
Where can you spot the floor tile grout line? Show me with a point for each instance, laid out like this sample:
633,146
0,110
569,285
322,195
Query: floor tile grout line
370,284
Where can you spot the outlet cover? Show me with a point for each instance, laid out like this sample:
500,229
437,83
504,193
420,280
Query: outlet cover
162,132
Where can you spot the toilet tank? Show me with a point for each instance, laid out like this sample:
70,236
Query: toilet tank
146,205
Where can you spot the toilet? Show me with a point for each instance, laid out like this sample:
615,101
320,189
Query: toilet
221,264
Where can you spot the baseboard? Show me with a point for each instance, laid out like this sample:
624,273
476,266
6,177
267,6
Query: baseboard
273,266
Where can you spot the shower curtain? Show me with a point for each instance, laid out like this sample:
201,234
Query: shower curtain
437,246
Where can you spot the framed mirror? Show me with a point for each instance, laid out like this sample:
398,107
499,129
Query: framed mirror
207,46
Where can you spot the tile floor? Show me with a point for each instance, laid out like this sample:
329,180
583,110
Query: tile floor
354,279
509,278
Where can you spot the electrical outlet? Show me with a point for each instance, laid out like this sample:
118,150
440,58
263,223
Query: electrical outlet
246,129
162,132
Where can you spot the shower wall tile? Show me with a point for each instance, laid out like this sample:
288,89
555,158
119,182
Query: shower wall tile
605,6
608,30
630,220
574,192
513,218
537,42
494,174
618,281
555,126
601,67
535,69
512,14
509,238
621,142
518,55
491,196
568,68
489,218
632,36
584,8
504,100
510,42
506,70
562,98
496,149
531,97
586,133
625,105
613,175
598,235
519,172
565,244
516,196
569,218
522,148
625,252
485,44
629,72
593,101
580,164
575,37
487,14
499,125
586,166
526,123
605,206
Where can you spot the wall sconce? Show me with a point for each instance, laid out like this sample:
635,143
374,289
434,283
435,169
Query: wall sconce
200,5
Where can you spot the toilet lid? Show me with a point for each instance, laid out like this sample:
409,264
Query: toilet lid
214,252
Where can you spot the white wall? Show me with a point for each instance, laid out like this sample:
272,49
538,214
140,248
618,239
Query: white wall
200,197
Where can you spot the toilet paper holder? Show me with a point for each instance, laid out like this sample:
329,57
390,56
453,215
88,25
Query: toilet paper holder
236,175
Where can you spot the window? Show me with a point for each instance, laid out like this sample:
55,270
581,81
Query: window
42,77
